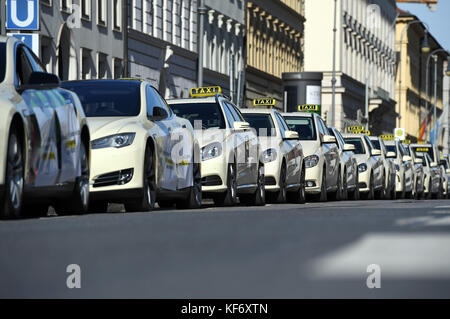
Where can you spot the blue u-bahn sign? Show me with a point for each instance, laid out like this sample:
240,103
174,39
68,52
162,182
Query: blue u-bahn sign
22,15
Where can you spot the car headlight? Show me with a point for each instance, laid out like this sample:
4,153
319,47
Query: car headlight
397,167
211,150
117,141
362,167
269,155
311,161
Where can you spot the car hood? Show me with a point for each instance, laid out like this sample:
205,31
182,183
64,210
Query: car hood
105,126
361,158
310,147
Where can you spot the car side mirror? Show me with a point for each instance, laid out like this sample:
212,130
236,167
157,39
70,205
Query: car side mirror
159,114
41,81
406,158
241,126
328,139
349,147
376,152
418,161
291,135
390,155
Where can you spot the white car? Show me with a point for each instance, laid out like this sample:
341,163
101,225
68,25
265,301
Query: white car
370,166
281,153
389,167
44,140
321,154
349,167
135,137
404,185
419,149
445,168
432,179
229,148
418,172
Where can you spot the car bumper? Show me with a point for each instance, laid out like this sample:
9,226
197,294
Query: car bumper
272,176
214,175
364,181
313,175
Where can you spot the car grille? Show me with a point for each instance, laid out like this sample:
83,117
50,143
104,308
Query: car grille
270,180
115,178
213,180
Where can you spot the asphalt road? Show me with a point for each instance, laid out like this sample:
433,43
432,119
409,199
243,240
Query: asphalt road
278,251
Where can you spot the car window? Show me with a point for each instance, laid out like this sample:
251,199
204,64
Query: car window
443,163
282,122
209,115
304,126
376,144
423,149
34,60
236,116
262,123
358,143
392,148
369,143
107,98
158,100
401,150
2,61
322,127
338,137
228,114
23,66
236,110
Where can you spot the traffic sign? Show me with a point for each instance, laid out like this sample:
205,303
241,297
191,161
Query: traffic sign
399,133
22,15
30,39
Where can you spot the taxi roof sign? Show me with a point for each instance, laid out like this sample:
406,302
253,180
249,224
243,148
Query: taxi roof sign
309,108
267,101
355,128
387,137
406,141
206,91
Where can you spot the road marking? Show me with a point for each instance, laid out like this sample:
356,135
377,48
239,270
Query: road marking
437,207
400,256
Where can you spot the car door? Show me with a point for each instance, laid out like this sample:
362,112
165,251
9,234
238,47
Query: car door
331,155
43,166
160,130
292,151
378,163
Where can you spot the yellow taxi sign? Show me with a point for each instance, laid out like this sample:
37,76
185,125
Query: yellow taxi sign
355,128
309,108
387,137
421,142
205,91
361,132
406,141
422,149
264,102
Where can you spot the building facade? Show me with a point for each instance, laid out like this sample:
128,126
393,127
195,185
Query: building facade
274,46
413,72
365,53
162,44
90,47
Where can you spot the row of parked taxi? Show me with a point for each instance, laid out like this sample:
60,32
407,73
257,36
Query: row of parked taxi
79,145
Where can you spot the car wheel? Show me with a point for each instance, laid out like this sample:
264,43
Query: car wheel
337,194
229,198
281,195
299,197
194,198
259,197
79,201
322,196
12,197
147,200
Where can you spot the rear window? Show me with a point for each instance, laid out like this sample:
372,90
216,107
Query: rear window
208,114
107,99
262,123
2,61
303,125
359,145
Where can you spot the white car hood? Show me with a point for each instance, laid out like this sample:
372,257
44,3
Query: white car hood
310,147
209,136
361,158
105,126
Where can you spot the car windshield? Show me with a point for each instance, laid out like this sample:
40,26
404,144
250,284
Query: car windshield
2,61
424,149
359,145
208,115
262,123
391,148
303,125
107,99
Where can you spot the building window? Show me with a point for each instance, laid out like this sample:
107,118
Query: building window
103,70
86,9
47,2
86,64
117,68
101,12
65,5
117,14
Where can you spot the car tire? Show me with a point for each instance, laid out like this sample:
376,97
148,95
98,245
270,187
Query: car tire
229,198
336,196
323,195
280,196
78,203
12,197
299,196
194,198
259,197
146,202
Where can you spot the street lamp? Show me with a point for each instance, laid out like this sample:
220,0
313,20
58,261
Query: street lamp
425,49
432,54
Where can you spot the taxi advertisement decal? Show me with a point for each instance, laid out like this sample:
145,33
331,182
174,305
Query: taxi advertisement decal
205,91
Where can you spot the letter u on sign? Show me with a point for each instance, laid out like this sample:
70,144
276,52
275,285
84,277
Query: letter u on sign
22,15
